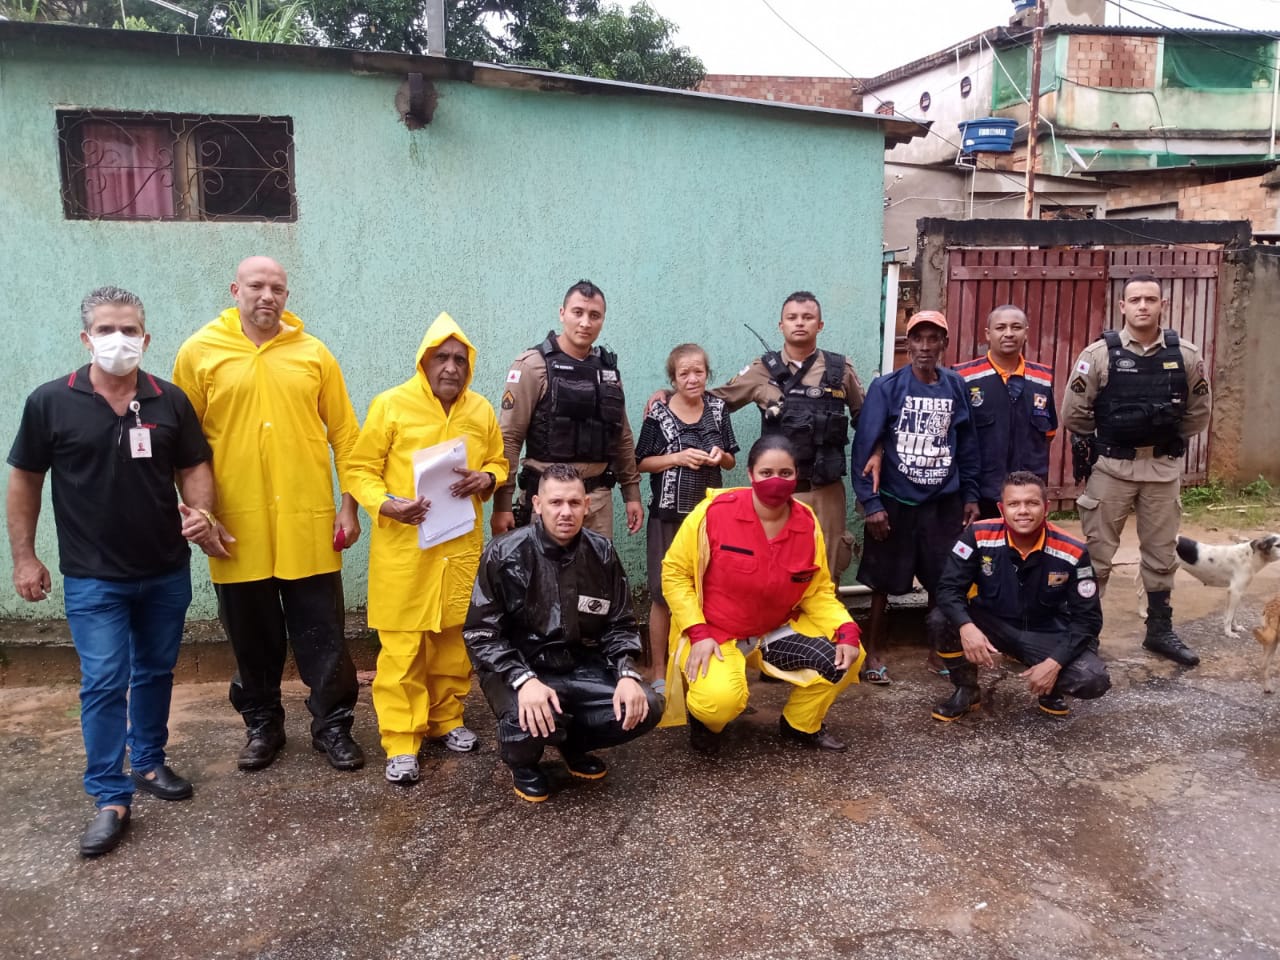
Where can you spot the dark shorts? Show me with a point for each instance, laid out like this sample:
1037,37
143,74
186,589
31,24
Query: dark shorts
660,533
920,537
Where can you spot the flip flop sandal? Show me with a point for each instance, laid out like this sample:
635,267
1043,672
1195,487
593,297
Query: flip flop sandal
877,677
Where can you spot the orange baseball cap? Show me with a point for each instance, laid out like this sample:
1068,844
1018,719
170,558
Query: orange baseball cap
927,316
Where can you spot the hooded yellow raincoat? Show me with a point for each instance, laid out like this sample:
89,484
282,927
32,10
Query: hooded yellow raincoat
819,614
412,589
271,414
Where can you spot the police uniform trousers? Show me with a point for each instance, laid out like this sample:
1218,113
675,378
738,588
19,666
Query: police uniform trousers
422,679
600,512
830,506
1104,506
586,722
263,618
1085,677
720,695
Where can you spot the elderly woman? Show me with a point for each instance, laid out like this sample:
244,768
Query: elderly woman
748,570
684,442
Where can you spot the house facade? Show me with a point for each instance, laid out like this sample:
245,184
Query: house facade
394,187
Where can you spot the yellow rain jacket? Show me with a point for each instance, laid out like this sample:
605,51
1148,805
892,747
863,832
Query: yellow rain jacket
410,588
271,415
820,611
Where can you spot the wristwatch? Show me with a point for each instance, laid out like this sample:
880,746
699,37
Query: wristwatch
628,672
521,680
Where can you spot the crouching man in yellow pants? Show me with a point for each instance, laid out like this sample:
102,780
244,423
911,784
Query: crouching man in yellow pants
418,598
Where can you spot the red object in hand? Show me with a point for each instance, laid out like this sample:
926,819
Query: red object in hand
339,540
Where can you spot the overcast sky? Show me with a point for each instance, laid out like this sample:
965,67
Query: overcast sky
867,38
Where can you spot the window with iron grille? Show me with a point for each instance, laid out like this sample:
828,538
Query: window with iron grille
176,166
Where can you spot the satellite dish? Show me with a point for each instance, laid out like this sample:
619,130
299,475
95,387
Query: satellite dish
1075,156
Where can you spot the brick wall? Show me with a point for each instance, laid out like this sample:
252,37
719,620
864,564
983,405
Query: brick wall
1107,60
1248,198
837,93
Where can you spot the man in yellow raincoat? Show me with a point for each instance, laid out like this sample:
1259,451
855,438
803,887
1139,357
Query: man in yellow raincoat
418,598
272,403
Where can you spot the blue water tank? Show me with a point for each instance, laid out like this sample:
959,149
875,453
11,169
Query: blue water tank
987,135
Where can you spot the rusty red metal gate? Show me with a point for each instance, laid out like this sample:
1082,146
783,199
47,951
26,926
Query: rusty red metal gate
1070,296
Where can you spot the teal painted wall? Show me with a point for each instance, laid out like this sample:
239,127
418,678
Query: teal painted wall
693,217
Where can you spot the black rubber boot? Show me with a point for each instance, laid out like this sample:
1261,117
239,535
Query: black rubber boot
1054,705
702,739
965,697
1160,637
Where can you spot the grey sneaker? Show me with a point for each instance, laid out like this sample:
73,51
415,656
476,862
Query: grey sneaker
402,769
460,740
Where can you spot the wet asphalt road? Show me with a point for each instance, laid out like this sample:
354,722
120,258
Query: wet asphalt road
1144,826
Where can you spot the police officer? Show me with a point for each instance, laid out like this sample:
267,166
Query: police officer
813,398
1138,394
1022,587
1011,399
564,404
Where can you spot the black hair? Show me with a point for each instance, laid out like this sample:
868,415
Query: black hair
770,441
802,296
586,288
1025,478
1007,308
1141,278
565,472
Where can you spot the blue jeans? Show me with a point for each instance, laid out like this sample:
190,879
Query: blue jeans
127,636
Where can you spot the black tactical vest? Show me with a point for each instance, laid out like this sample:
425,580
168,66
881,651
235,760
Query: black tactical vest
1145,397
814,419
579,418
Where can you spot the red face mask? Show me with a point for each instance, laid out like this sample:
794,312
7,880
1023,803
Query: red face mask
774,491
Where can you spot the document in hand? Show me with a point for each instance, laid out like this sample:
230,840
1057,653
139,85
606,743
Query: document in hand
448,516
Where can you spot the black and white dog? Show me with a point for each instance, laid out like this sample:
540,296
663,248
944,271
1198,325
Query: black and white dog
1228,565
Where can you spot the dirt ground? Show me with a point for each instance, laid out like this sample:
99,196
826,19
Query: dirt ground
1141,827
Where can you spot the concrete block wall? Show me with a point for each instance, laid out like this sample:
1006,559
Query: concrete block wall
1106,60
837,93
1247,198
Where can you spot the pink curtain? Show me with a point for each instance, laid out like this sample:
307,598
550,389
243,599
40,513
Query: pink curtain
128,170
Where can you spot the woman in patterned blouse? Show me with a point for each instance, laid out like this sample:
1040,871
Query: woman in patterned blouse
684,443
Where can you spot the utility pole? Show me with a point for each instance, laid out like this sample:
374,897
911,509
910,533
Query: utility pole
1033,114
435,27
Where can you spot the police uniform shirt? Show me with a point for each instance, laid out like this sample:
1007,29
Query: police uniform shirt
1089,376
526,385
753,385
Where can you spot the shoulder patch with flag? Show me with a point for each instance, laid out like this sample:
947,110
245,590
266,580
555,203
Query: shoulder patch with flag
513,376
962,550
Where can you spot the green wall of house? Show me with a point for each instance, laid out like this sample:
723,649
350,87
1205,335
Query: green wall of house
694,217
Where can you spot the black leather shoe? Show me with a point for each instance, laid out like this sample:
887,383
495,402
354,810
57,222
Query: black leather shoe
260,752
821,739
586,767
103,833
702,739
343,752
961,701
530,783
1054,705
166,784
1169,645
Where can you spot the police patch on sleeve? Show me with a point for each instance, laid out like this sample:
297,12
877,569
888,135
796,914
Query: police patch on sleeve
1078,385
962,550
513,376
1087,588
1201,388
1082,366
508,400
744,370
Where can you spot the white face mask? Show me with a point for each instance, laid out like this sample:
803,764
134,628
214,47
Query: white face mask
118,354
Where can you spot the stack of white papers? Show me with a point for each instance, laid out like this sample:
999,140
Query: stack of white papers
448,516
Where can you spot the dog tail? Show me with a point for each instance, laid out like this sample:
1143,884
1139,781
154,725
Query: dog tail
1188,550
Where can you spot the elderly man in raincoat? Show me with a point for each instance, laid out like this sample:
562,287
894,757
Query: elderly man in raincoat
273,404
418,598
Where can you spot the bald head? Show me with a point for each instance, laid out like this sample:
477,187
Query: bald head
261,289
1007,334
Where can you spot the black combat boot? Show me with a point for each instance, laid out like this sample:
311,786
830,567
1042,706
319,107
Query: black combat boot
1160,636
702,739
1055,705
966,696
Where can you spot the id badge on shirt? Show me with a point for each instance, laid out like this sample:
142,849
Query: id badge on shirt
139,443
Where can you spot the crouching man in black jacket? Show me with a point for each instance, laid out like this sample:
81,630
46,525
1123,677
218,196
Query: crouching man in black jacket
553,637
1022,587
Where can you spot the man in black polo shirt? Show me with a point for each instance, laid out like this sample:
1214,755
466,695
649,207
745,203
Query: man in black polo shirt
115,438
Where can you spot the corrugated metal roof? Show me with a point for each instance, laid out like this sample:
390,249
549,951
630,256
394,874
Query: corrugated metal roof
66,37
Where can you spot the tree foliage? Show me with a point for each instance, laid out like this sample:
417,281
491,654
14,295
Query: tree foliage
585,37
